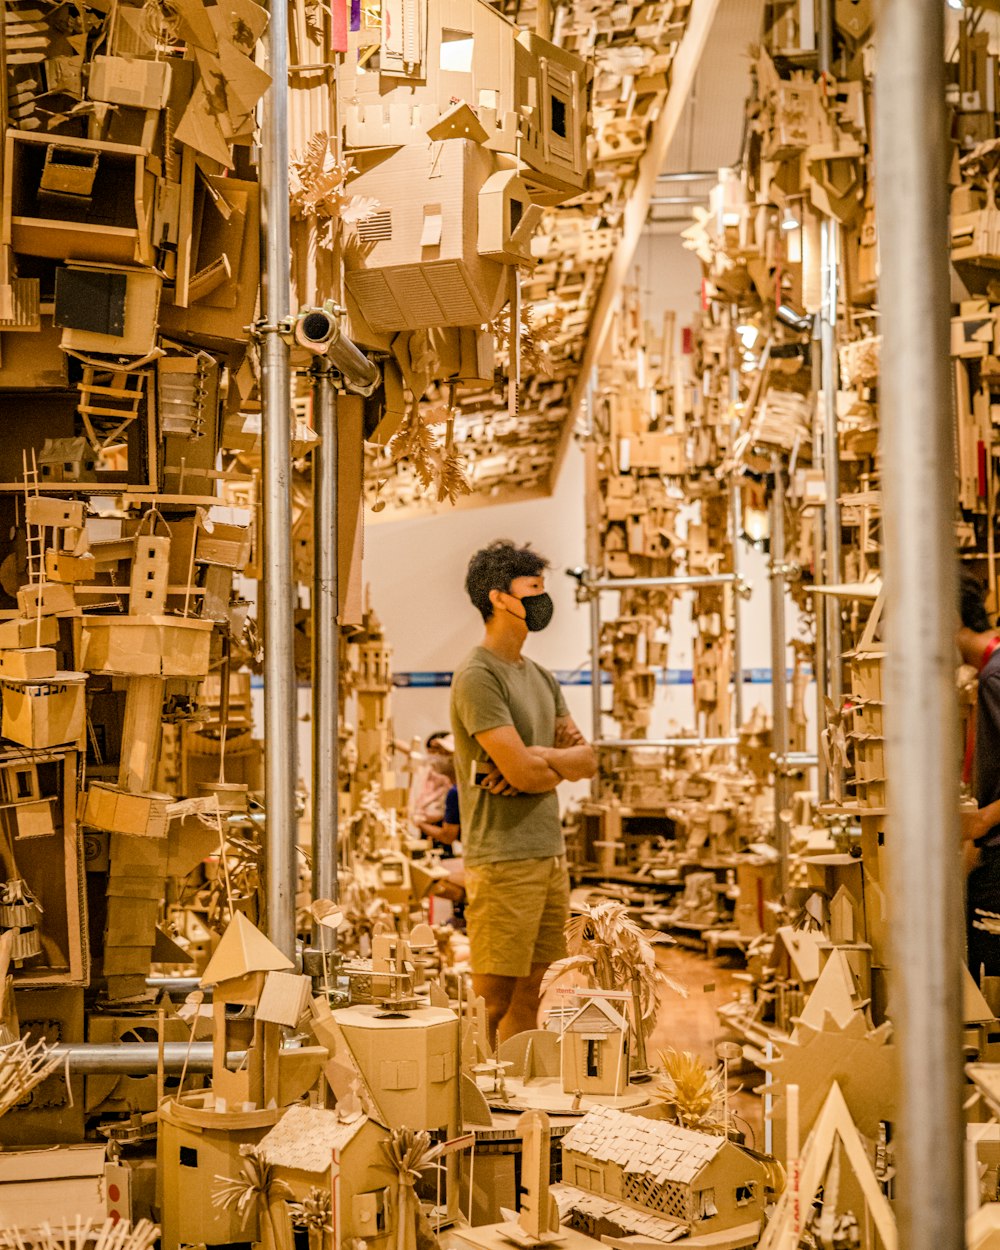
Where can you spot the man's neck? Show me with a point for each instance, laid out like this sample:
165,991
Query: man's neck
503,638
975,646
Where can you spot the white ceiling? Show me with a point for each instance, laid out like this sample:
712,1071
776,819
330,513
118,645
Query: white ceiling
710,134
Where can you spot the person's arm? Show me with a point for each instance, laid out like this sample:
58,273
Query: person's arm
976,825
572,756
520,768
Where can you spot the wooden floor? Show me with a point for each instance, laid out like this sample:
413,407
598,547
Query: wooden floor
691,1023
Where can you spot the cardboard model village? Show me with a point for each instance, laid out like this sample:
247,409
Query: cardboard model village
458,179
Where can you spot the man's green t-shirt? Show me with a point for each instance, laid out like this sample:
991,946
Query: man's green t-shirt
486,693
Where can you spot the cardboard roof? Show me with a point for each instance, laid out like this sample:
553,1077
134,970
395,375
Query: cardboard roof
835,994
802,946
243,949
611,1020
306,1137
676,1154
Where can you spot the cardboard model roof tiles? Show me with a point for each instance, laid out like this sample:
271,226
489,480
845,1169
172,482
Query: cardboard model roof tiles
663,1151
305,1138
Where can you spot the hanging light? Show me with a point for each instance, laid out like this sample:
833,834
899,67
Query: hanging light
788,219
748,335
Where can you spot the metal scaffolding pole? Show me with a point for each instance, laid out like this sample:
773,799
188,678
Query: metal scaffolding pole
614,744
695,581
918,475
819,535
779,679
595,667
277,584
325,643
829,381
735,529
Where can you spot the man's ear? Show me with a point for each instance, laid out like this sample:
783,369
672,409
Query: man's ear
495,599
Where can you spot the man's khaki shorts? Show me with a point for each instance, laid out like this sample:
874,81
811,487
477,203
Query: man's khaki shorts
516,913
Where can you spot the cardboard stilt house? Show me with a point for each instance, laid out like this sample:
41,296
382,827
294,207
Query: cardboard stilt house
595,1049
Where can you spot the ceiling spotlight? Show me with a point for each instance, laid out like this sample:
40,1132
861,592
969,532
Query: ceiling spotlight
788,220
956,4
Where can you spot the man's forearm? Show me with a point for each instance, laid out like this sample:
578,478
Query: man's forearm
577,763
977,825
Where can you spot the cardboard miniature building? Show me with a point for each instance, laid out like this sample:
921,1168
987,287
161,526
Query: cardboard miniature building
625,1174
312,1148
408,1063
594,1042
241,973
481,124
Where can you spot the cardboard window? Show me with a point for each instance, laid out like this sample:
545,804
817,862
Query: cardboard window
557,116
456,51
92,300
188,1157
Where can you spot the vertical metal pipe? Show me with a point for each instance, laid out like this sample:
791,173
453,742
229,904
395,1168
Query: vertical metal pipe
595,665
325,640
831,455
277,585
820,659
918,475
735,529
779,670
594,573
828,381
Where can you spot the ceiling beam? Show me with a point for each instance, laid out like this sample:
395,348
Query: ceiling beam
683,71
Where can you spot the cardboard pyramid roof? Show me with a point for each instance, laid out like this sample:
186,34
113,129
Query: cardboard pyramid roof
243,949
833,1128
834,994
975,1008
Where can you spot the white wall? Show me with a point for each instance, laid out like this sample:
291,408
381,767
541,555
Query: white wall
416,567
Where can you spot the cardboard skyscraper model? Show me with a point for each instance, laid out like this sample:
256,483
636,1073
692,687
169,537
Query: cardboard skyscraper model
461,129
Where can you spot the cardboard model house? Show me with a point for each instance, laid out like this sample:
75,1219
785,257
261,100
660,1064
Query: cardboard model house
238,973
595,1054
520,95
435,252
625,1174
408,1063
313,1148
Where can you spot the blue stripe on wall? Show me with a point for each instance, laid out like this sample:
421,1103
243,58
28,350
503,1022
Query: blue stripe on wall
578,677
565,677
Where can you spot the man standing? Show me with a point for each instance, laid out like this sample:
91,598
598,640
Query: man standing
979,644
515,742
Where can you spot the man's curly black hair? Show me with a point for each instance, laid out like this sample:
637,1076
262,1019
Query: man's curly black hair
972,604
495,567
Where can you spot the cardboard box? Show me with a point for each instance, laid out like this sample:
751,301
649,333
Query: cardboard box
146,646
44,714
226,545
107,308
45,599
111,225
50,1187
116,811
29,664
34,819
222,221
46,1116
63,566
22,633
124,80
52,513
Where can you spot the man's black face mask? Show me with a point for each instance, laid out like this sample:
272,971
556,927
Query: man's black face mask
538,611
